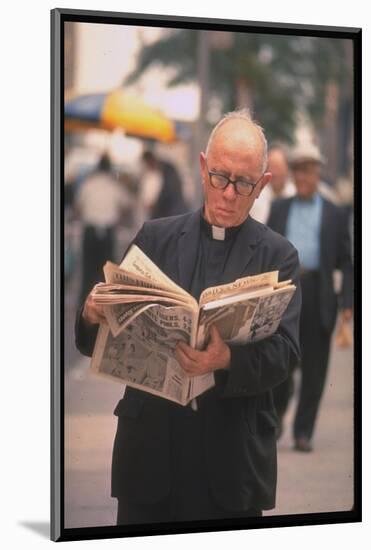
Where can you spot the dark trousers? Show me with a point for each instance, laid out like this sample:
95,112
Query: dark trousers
97,248
315,347
131,512
190,498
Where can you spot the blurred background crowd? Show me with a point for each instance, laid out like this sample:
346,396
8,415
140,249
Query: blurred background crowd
140,102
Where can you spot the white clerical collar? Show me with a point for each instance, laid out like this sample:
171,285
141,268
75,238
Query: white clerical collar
218,233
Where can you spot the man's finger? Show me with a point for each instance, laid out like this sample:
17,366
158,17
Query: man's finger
191,353
214,333
93,313
97,317
101,316
215,337
184,361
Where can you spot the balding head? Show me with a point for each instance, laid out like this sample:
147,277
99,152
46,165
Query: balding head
236,150
238,130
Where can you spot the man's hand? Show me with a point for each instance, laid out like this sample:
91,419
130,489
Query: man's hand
217,355
92,312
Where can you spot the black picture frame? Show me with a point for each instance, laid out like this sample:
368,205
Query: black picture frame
58,18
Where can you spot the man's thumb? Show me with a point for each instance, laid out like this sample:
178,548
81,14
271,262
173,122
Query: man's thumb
214,335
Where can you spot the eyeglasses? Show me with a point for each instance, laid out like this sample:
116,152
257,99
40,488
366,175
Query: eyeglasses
241,186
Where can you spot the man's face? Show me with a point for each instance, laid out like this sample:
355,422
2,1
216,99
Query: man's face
306,178
277,165
238,155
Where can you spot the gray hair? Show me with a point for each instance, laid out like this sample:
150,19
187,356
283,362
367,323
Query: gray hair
241,114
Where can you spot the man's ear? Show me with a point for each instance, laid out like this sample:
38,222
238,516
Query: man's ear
203,167
202,162
263,182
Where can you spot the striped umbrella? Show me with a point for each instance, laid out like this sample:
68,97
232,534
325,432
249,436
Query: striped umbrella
117,109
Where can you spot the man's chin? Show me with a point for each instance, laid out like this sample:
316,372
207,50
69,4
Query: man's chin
223,218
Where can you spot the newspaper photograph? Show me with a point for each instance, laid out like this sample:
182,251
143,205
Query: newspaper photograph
142,355
128,360
228,319
119,316
252,318
268,314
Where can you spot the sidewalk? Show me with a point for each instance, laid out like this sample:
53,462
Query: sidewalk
89,432
321,481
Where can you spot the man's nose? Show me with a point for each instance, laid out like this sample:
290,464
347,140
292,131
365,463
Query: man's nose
230,191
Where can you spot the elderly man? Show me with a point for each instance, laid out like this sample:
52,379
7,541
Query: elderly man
319,231
218,459
279,187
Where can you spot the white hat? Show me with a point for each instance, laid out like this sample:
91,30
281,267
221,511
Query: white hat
306,152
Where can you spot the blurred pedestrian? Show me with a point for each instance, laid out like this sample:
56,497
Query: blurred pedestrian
280,186
99,203
319,231
161,189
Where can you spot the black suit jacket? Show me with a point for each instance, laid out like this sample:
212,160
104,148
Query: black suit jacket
237,416
334,254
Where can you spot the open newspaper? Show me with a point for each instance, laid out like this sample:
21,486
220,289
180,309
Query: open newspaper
147,314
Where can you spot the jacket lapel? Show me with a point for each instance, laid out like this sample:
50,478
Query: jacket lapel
243,249
188,242
284,216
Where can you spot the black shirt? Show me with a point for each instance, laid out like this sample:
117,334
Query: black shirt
212,257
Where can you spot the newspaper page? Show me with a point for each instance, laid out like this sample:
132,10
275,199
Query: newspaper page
250,317
119,316
138,263
117,276
113,293
125,296
267,315
251,283
142,355
122,296
199,384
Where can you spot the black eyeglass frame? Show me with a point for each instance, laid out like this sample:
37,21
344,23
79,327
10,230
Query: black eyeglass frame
233,182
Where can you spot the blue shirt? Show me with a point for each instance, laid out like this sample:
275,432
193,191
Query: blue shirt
303,229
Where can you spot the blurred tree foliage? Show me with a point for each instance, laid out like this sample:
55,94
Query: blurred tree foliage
279,75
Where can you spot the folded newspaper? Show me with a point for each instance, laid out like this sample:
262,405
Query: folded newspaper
147,314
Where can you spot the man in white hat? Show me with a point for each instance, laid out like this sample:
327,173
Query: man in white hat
309,153
319,231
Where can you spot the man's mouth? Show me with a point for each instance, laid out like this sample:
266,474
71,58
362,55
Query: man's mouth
225,211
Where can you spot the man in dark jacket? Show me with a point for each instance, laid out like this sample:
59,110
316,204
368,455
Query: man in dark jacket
218,459
319,231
